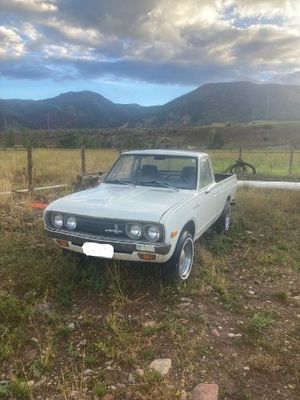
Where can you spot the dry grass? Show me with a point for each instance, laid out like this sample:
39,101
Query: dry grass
231,289
52,166
55,166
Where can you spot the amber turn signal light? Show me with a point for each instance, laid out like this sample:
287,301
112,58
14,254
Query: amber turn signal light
62,243
173,234
147,257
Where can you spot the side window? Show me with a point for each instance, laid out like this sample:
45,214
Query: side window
205,173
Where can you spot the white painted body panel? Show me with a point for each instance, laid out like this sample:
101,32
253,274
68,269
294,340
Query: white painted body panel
172,208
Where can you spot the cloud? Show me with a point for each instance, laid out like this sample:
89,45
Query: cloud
160,41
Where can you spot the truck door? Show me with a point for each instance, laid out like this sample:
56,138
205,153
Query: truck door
206,209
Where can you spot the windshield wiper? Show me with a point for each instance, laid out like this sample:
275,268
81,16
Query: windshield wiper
119,182
157,183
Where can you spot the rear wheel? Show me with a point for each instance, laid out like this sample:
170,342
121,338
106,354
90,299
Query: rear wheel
179,267
224,222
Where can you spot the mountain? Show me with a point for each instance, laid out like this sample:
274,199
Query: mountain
213,102
234,101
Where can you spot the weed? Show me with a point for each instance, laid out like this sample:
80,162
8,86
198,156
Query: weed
100,390
259,323
20,389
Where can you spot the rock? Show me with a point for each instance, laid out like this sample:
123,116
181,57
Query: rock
59,397
74,395
43,308
4,382
183,395
234,335
82,343
128,395
131,378
206,391
121,386
161,365
71,326
30,384
29,355
88,372
185,300
34,340
41,382
149,324
214,332
108,396
139,372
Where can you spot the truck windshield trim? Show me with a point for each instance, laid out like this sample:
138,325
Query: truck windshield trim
173,171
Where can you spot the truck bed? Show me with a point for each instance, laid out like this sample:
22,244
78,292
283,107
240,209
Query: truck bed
222,176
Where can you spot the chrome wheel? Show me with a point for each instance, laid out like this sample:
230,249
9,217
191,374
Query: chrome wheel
227,219
186,258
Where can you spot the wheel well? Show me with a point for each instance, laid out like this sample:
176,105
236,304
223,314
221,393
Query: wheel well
190,227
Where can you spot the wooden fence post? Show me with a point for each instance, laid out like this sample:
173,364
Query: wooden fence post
240,153
29,169
83,164
291,160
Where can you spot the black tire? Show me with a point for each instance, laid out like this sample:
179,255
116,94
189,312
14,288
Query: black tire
174,270
224,222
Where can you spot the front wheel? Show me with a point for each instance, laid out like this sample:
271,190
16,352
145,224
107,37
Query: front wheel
179,267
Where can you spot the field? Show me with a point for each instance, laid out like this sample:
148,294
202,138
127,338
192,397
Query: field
77,330
55,166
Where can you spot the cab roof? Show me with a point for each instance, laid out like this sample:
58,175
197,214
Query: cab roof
167,152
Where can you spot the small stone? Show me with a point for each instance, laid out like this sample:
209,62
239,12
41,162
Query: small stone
43,308
74,395
234,335
82,343
60,397
71,326
139,372
128,395
131,378
251,292
30,383
214,332
121,386
88,372
183,395
246,368
108,396
206,391
34,340
41,382
4,382
29,354
161,365
185,300
149,324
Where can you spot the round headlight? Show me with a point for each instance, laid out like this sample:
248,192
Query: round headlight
134,231
71,223
152,233
57,220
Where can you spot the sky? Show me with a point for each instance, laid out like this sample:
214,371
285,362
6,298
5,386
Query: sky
144,51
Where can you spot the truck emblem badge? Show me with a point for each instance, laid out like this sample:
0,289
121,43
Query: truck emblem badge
115,231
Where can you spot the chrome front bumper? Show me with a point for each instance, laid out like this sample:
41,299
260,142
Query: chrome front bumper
123,249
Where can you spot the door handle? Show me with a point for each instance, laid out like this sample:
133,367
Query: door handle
208,190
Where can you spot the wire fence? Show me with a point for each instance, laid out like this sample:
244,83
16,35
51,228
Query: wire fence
21,167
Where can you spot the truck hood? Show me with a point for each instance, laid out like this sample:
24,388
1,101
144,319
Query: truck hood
121,202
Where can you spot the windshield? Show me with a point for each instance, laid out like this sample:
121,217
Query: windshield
179,172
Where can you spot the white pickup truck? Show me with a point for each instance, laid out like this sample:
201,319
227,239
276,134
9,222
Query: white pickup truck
151,207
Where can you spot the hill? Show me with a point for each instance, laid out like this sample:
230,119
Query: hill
214,102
